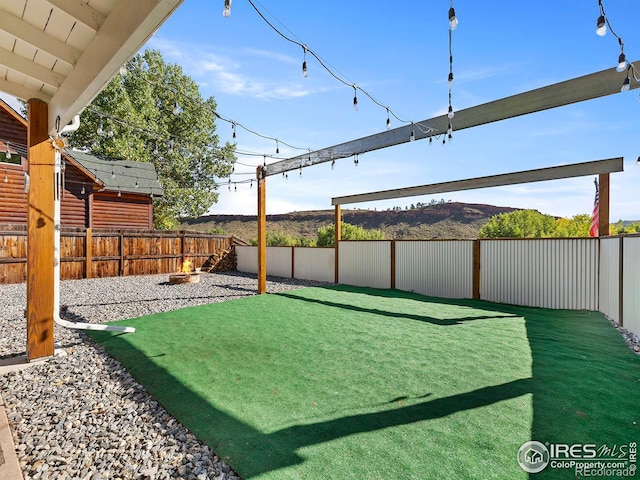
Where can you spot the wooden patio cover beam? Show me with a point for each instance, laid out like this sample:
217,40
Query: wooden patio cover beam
527,176
595,85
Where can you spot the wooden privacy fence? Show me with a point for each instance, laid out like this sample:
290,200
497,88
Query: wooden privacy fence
87,253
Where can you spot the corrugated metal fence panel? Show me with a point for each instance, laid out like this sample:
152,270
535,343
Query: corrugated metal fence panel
314,263
437,268
548,273
365,263
609,288
631,284
279,261
247,259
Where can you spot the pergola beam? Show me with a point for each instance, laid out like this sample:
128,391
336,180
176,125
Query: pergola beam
527,176
82,12
595,85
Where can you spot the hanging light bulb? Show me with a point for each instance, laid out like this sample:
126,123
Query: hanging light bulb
170,147
176,109
8,154
355,98
450,79
300,170
6,178
100,130
388,120
622,62
227,8
601,25
82,192
235,187
136,183
626,84
430,141
277,147
453,20
333,164
110,132
233,126
119,193
304,61
113,173
450,114
251,184
264,160
123,71
412,137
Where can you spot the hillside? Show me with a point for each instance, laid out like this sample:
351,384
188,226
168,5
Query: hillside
442,220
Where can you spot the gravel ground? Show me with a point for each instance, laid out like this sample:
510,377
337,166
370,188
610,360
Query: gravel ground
82,415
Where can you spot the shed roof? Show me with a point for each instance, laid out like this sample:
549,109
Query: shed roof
118,175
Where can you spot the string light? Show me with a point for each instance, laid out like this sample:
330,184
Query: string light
388,120
277,147
6,178
123,71
100,130
333,164
355,98
119,192
304,61
626,84
601,23
227,8
412,137
176,109
453,20
136,186
82,192
452,26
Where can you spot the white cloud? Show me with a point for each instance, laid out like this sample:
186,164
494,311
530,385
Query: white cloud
221,73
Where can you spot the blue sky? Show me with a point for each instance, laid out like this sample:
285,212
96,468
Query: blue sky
398,52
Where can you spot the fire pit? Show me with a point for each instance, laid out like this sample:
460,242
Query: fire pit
185,275
182,277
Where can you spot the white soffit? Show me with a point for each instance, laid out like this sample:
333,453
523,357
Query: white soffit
65,51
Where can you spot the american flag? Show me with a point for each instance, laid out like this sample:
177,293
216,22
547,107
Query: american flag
595,216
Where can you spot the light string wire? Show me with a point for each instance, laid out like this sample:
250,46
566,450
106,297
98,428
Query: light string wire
423,128
603,20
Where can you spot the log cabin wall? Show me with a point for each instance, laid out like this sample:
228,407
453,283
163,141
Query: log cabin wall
13,198
121,212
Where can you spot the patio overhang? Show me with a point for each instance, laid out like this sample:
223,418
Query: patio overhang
63,52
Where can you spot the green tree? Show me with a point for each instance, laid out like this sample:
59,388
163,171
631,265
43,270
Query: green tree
618,228
326,235
133,118
519,224
577,226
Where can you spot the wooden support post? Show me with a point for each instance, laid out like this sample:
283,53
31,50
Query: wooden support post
40,233
337,222
621,282
262,231
293,262
87,253
393,264
603,215
476,270
121,254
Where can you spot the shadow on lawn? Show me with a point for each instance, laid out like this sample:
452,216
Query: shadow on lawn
585,384
390,313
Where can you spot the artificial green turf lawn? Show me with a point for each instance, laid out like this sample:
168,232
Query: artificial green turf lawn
347,382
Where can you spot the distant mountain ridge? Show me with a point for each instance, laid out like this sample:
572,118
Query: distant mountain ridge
451,220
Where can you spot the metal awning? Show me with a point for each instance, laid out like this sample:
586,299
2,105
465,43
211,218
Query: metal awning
65,51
